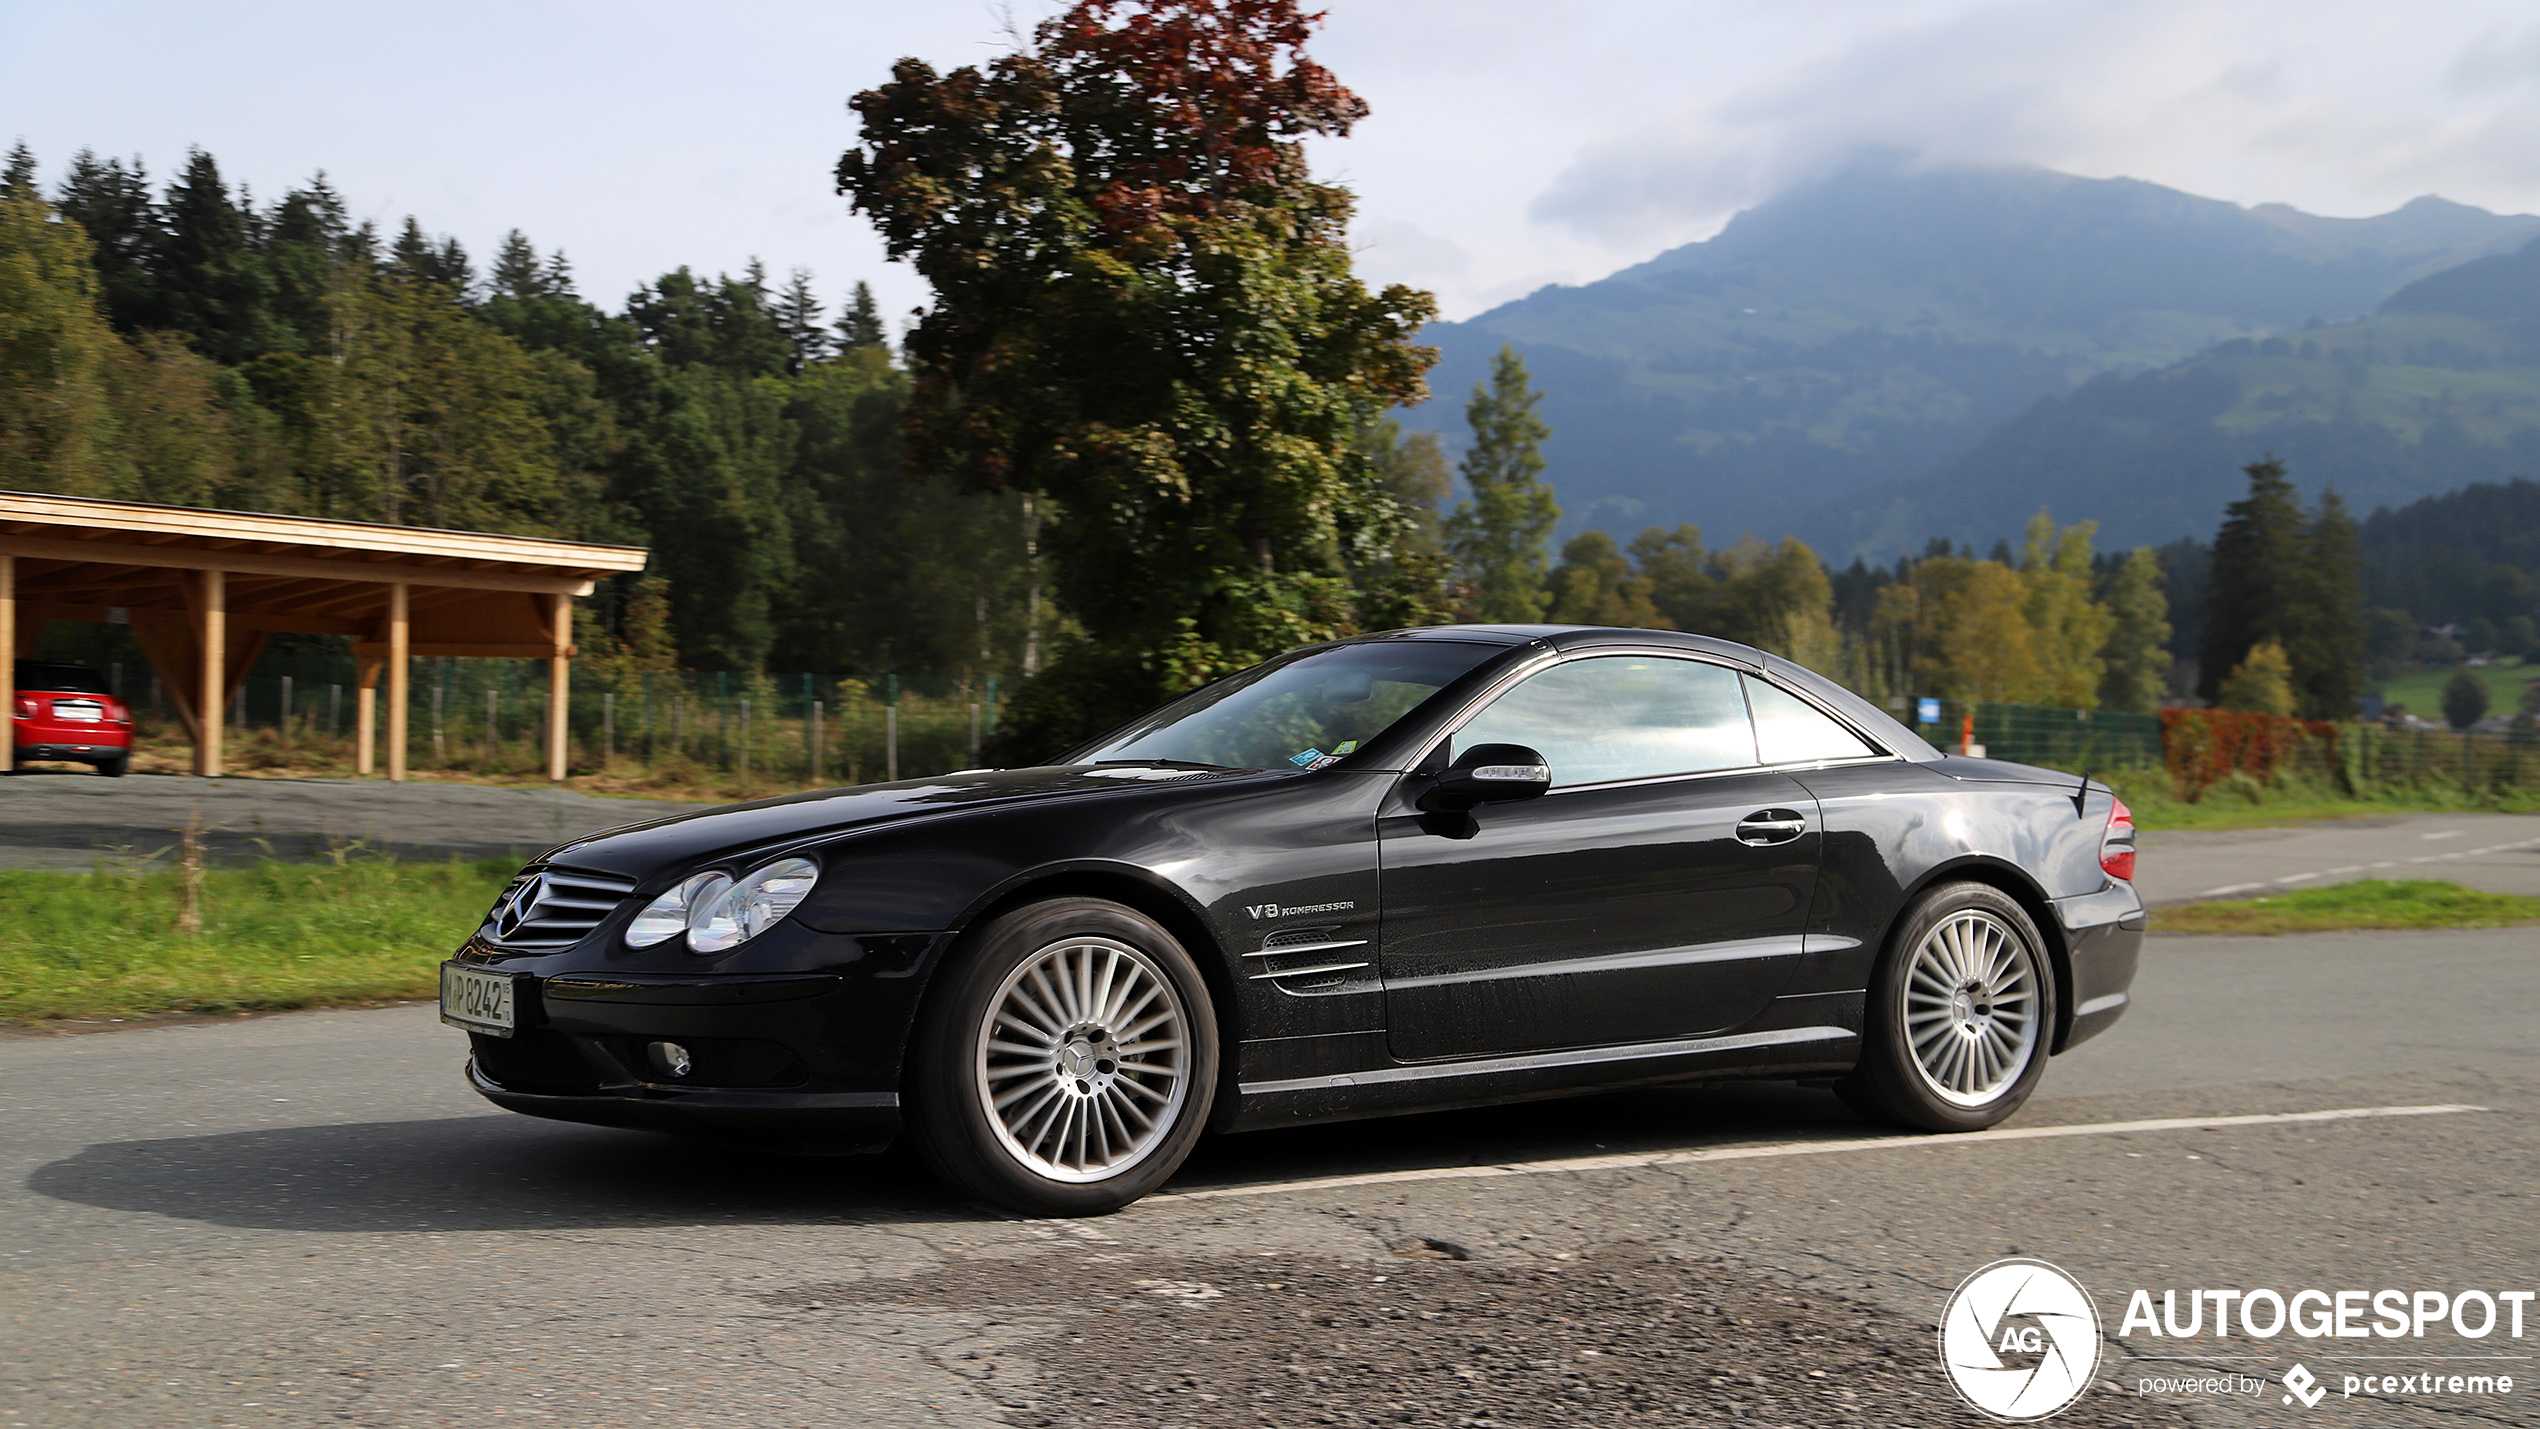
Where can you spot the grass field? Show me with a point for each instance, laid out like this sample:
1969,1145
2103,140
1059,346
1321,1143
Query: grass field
275,935
2365,903
2422,690
2241,803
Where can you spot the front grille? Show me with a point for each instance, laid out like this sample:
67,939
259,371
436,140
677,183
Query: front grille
553,906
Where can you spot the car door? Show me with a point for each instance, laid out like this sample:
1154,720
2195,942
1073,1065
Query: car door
1658,890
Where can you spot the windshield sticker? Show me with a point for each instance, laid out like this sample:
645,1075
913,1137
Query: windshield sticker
1304,758
1346,746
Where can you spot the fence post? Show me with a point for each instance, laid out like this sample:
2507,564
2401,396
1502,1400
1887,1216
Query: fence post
335,711
992,705
493,722
891,729
745,738
440,746
678,720
286,707
608,727
817,710
974,734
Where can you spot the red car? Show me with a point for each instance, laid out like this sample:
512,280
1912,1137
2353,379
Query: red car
66,712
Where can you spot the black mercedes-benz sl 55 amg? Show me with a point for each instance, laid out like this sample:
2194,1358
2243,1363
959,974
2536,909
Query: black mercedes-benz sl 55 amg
1422,869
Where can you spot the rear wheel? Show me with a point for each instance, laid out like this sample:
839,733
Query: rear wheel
115,767
1065,1061
1960,1015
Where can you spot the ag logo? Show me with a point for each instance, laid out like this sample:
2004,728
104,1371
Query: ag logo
2020,1340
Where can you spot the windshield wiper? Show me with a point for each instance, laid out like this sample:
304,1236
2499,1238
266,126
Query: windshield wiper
1171,764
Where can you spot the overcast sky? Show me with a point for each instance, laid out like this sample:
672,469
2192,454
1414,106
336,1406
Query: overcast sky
1512,144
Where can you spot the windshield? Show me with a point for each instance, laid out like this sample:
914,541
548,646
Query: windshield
1306,712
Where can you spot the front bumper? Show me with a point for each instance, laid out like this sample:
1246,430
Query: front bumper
806,1061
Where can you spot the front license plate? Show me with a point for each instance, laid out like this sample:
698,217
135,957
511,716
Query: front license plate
477,1001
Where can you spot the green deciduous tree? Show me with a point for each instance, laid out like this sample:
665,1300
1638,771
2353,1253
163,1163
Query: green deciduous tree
2262,683
2464,699
1498,536
1596,585
2136,657
1144,308
2069,627
58,427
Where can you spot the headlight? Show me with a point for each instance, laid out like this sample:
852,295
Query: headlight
666,917
723,919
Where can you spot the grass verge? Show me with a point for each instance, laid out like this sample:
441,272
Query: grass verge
275,935
2364,903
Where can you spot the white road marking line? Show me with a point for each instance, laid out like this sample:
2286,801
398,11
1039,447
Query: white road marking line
2446,834
1805,1148
2297,878
2350,868
2387,863
2429,858
2230,888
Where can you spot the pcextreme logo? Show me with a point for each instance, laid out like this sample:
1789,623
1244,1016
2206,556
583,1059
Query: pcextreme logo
2019,1340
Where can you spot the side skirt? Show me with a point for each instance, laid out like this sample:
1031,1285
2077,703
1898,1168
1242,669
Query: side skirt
1438,1086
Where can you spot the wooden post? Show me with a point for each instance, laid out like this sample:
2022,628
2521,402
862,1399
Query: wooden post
211,643
398,693
559,681
366,670
9,659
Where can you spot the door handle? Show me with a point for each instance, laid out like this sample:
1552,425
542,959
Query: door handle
1770,826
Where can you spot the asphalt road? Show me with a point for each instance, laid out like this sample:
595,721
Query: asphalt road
305,1220
72,820
2496,852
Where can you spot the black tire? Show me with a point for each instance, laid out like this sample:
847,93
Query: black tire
114,768
1083,1085
1972,1069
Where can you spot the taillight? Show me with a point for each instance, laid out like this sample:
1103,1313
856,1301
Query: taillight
117,712
25,708
2116,846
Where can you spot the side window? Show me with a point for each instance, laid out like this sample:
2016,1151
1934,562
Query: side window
1789,730
1622,717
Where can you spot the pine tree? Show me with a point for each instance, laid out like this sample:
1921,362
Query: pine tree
516,272
2136,657
113,204
1498,536
17,180
798,318
2257,568
2324,627
860,326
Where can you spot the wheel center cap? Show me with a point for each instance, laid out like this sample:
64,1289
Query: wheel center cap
1089,1060
1962,1006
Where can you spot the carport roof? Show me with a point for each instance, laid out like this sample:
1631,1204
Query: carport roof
127,533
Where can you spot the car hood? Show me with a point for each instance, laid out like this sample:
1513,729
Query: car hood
682,840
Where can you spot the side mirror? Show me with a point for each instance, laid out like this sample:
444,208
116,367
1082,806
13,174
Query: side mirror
1488,774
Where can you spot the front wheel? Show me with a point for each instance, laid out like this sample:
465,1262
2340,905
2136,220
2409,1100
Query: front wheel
1960,1017
1065,1062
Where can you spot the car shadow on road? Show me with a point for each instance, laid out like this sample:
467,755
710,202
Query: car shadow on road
516,1173
483,1173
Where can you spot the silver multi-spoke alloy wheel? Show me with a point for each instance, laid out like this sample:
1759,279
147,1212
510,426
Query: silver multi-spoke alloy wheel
1084,1059
1971,1008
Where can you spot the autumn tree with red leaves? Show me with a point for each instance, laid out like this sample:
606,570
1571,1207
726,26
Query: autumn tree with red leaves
1144,310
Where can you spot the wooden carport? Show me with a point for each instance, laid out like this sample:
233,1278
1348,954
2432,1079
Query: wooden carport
203,589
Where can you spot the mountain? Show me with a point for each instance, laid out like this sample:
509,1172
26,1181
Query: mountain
2438,390
1856,333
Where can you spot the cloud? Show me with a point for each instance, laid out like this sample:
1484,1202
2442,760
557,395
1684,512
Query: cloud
2329,105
